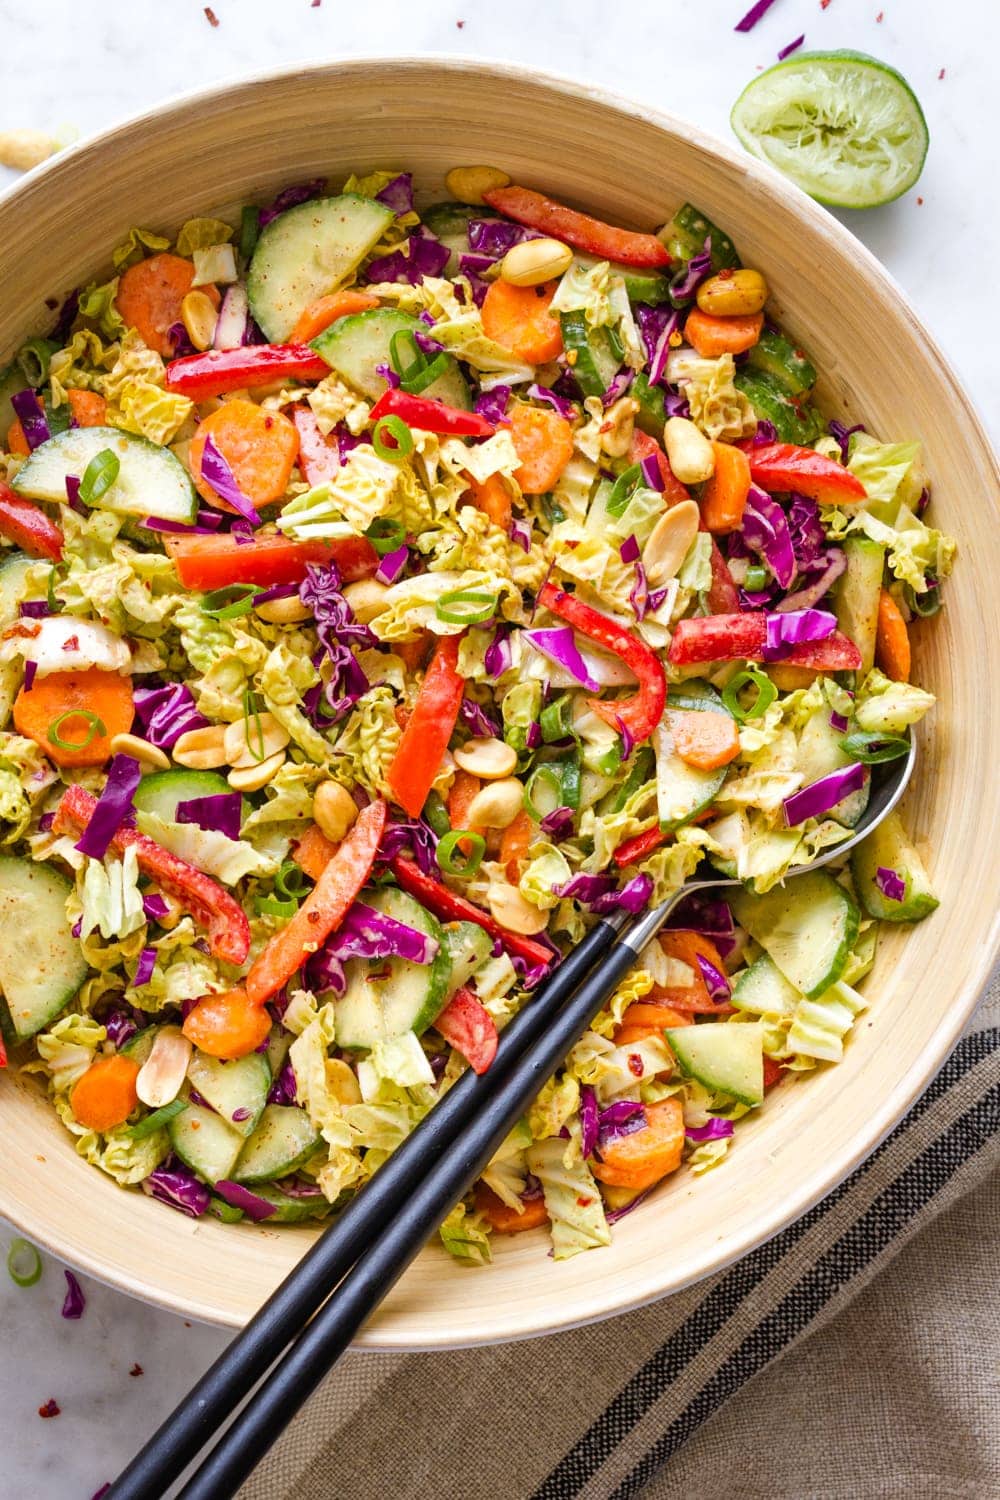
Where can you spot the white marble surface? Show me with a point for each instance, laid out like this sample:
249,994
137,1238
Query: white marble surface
87,66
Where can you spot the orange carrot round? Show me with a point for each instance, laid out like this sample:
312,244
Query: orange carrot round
105,1096
413,654
711,336
704,740
724,496
16,440
67,704
638,1160
150,294
647,1018
518,318
326,310
544,443
892,640
229,1025
693,998
259,446
88,407
506,1220
492,497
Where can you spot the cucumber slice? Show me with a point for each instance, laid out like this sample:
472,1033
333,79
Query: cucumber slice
13,573
405,996
764,991
682,791
11,381
778,357
236,1090
689,230
640,286
469,946
205,1143
845,127
307,252
652,413
279,1045
41,965
449,222
160,793
856,595
225,1212
793,422
140,1046
151,481
283,1141
807,926
696,693
724,1056
887,847
289,1210
355,346
596,363
819,753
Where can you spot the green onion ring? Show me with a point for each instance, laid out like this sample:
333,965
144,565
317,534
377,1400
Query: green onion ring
96,726
448,848
230,601
766,694
402,439
482,606
18,1249
385,535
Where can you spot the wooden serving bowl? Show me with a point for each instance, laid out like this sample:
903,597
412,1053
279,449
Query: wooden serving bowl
242,142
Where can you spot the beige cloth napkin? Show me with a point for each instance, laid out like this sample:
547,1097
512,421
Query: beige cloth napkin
854,1355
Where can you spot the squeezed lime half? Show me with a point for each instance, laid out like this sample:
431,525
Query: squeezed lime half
843,126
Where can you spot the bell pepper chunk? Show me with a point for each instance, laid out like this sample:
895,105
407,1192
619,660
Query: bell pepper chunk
428,729
28,527
430,416
449,907
223,919
643,446
467,1025
723,597
210,562
218,371
535,211
324,908
319,456
784,467
632,850
743,637
640,714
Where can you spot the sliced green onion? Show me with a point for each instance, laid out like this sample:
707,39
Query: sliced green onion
51,599
873,749
621,490
95,726
99,475
249,230
925,605
251,714
466,606
556,719
274,906
549,776
571,782
156,1121
401,444
756,579
427,376
406,356
614,341
17,1270
436,814
765,695
385,535
643,767
33,360
291,880
456,861
230,601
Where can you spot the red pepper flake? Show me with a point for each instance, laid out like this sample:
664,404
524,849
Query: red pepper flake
823,4
460,25
315,4
210,16
941,74
880,17
584,1202
71,643
136,1370
920,202
50,1409
635,1064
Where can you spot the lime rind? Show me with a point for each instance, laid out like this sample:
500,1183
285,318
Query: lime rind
845,127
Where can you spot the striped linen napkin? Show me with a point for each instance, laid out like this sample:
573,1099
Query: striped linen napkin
623,1407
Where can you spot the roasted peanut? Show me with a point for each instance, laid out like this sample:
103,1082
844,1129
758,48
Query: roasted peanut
202,749
148,756
669,542
468,184
497,804
512,911
733,294
491,759
618,427
199,317
534,261
249,741
334,810
691,455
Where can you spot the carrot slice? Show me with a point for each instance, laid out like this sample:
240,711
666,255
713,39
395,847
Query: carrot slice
492,497
326,310
506,1220
105,1096
724,496
229,1025
413,654
642,1158
80,694
686,946
313,852
259,446
892,641
463,789
150,294
711,336
544,443
514,844
518,318
647,1018
704,740
88,407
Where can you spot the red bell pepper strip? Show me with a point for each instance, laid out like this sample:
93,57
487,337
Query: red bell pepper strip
642,446
773,1073
209,562
743,637
428,729
319,456
536,211
641,713
785,467
723,597
634,849
27,526
3,1054
430,416
217,371
224,920
467,1025
324,908
443,903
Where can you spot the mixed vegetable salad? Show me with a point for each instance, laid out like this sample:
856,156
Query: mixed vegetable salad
384,596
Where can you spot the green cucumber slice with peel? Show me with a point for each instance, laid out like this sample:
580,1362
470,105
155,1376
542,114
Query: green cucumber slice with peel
845,127
779,358
469,946
41,964
205,1143
283,1141
794,421
722,1055
385,998
888,847
856,596
13,573
356,345
160,792
307,252
288,1209
596,364
764,991
236,1090
808,926
150,482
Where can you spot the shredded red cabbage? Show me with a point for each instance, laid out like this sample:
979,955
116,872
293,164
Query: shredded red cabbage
208,521
890,883
120,1024
812,593
154,908
624,1117
284,1089
30,669
613,1215
416,834
818,798
424,256
166,713
74,1301
34,609
367,933
338,631
766,433
67,317
715,981
795,627
73,495
562,404
843,436
619,385
499,655
715,1130
652,476
175,1185
237,1196
558,823
597,892
216,472
113,806
765,531
144,968
494,237
753,15
559,645
392,565
493,404
31,415
478,721
656,324
791,47
291,197
398,194
222,812
839,723
589,1120
689,278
